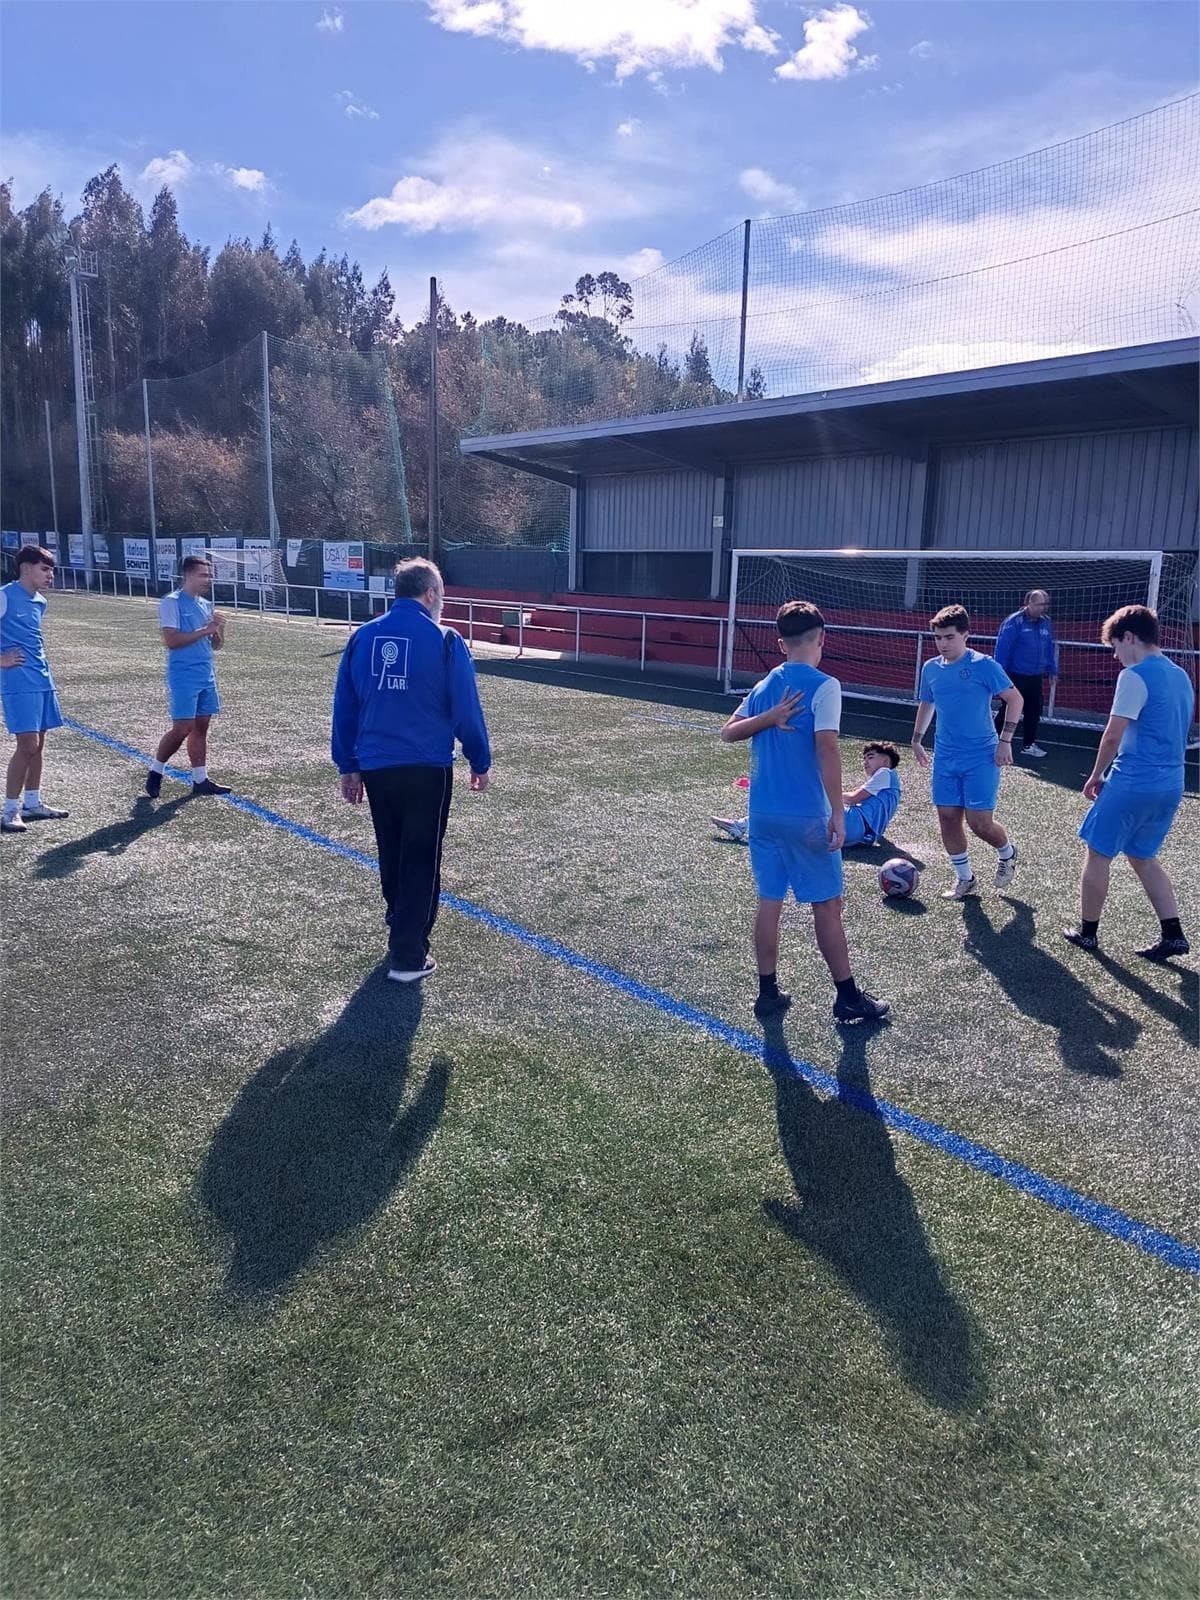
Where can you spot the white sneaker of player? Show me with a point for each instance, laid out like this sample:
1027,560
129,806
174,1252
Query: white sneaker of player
1034,750
736,828
1006,871
43,813
397,976
961,889
12,825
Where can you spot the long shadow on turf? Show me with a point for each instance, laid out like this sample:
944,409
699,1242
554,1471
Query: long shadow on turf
317,1141
1183,1013
1093,1033
857,1213
111,840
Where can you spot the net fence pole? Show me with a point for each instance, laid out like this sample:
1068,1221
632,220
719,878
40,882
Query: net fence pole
741,372
50,459
149,459
434,518
272,520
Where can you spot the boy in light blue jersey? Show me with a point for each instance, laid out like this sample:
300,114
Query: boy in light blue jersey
797,824
191,631
27,692
959,685
1135,798
868,809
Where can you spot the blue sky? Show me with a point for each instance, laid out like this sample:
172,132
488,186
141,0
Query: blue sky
508,145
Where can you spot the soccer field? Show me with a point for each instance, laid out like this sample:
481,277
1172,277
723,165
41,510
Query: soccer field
551,1280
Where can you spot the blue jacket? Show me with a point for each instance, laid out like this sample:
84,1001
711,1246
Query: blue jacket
1027,647
405,691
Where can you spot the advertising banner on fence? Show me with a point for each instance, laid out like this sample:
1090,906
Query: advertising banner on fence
164,557
258,565
294,547
194,545
11,539
137,557
224,558
380,583
75,546
99,549
345,565
30,538
50,540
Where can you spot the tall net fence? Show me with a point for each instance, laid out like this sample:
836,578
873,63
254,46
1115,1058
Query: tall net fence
1090,244
285,439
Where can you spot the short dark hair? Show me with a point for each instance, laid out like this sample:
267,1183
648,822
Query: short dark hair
883,748
190,563
1140,621
955,617
415,577
797,618
34,555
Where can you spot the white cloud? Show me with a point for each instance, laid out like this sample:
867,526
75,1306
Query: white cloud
37,161
473,182
628,128
331,21
248,178
769,191
827,51
635,35
640,263
174,169
922,50
354,107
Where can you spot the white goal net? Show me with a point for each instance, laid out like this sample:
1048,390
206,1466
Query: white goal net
877,605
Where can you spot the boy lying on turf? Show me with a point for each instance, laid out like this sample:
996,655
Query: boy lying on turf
868,809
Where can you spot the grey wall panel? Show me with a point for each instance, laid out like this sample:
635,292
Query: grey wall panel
652,511
865,500
1134,490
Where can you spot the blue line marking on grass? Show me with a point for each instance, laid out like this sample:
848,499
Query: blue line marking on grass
1107,1219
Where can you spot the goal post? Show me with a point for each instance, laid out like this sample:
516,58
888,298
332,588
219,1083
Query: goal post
877,605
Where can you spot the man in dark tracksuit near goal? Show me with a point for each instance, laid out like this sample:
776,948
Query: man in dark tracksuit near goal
1028,651
405,692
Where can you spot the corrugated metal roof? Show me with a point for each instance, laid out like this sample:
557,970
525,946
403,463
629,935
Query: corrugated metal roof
1143,385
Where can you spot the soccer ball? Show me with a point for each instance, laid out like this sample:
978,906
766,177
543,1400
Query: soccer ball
898,878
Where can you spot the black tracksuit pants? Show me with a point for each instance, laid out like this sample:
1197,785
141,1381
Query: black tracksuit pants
1031,693
409,808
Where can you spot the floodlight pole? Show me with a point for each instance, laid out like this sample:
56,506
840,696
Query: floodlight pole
741,383
434,470
149,458
82,265
50,459
272,519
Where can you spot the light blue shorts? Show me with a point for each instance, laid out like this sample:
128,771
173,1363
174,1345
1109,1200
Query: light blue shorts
188,700
31,711
976,787
793,853
1127,822
857,831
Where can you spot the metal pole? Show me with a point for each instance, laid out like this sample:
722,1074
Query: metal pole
50,458
149,468
741,387
272,519
434,478
81,430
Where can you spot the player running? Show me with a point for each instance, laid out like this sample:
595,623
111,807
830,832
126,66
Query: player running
191,631
30,703
868,809
1134,800
797,823
959,684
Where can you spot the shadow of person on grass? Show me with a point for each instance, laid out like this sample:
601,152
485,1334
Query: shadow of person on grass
855,1210
1183,1013
111,840
1092,1032
317,1141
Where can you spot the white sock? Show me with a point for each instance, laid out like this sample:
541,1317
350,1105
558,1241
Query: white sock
33,797
1007,851
11,807
158,766
199,774
962,867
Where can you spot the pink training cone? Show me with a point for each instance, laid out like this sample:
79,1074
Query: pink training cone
742,783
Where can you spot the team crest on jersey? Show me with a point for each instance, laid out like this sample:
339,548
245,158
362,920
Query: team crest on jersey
964,672
389,663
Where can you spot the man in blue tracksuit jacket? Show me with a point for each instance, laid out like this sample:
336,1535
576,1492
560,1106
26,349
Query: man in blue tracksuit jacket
405,692
1027,650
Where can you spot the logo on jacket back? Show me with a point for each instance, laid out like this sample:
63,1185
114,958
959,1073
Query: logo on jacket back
389,663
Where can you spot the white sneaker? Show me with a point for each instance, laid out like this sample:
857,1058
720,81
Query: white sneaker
735,828
1006,871
961,889
395,974
1034,750
12,825
42,813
